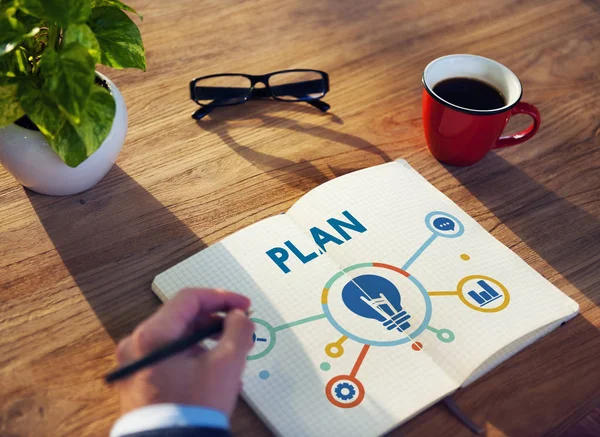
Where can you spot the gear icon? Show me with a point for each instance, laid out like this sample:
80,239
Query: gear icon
345,391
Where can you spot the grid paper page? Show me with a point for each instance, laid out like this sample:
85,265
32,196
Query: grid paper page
389,298
483,297
510,350
292,397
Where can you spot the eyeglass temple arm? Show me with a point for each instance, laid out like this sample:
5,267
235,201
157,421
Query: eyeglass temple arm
319,104
202,112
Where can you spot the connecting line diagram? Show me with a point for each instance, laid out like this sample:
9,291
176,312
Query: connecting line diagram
372,292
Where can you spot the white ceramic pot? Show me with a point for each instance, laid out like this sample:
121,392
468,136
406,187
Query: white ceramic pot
29,158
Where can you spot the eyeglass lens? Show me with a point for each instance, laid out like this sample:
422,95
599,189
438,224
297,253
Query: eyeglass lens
222,90
297,85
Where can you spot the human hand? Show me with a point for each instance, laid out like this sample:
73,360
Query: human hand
197,376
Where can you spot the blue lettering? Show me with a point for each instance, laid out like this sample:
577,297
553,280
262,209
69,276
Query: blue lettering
322,238
300,255
353,225
279,256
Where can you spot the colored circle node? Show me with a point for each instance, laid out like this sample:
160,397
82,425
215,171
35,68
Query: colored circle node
325,366
465,257
264,374
444,225
345,391
417,346
334,350
445,335
267,337
408,338
480,293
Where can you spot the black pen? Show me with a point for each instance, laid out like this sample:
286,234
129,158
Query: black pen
165,352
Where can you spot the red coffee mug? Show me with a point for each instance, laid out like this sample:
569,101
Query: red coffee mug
462,136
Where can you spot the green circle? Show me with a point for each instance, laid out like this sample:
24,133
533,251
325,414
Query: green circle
271,345
325,366
445,335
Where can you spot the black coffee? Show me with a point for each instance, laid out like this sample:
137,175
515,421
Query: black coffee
470,93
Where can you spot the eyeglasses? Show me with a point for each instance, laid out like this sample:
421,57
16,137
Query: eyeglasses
233,89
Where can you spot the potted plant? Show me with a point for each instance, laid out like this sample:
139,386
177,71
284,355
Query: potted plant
62,124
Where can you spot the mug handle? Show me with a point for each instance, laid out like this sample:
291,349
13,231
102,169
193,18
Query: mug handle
524,135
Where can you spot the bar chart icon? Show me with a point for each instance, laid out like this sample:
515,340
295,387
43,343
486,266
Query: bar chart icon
484,296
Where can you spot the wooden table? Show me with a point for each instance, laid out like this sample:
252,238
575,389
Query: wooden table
75,272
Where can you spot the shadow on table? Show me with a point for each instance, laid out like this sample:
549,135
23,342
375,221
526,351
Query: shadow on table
593,4
537,216
116,237
295,174
113,239
560,367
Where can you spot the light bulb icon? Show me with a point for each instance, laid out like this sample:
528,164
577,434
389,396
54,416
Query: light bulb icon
374,297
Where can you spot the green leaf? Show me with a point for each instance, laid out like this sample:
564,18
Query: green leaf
14,64
115,4
10,108
69,76
7,7
69,146
75,143
13,33
119,38
40,109
29,21
61,12
82,34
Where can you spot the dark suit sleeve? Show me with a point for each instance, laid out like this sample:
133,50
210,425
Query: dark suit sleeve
182,432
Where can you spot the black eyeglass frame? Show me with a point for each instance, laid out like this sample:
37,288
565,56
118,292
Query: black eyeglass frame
258,93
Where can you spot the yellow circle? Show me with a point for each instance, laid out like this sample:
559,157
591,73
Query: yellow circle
465,257
334,350
462,297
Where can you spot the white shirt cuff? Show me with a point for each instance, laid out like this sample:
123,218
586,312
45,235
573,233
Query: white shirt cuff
162,416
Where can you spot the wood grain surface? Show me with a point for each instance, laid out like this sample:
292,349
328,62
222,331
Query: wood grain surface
75,272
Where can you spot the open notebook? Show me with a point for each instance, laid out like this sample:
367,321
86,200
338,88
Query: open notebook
373,297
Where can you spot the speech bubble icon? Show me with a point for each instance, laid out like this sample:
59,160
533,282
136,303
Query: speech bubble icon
444,224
